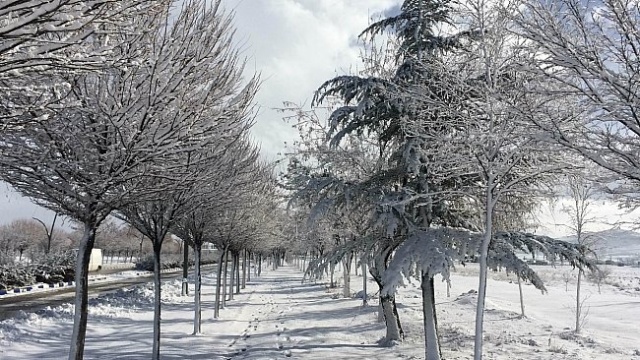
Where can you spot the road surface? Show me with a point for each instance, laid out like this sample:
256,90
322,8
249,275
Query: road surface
9,306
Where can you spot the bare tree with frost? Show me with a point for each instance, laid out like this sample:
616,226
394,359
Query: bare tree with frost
39,39
155,217
202,33
120,126
489,140
232,179
581,194
587,65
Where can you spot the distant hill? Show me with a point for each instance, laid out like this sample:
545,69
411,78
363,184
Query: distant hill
612,243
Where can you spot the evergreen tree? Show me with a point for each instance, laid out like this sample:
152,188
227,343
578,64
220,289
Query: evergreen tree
380,105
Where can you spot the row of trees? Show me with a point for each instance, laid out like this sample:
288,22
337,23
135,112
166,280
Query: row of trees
462,119
31,238
135,109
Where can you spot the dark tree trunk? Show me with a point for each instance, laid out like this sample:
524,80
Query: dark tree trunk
197,321
332,267
78,336
431,340
185,269
346,266
249,265
157,287
244,269
216,311
223,303
387,302
232,275
238,273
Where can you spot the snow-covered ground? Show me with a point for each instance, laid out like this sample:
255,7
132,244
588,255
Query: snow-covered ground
98,278
278,316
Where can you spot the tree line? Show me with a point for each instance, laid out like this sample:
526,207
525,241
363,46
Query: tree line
136,109
464,117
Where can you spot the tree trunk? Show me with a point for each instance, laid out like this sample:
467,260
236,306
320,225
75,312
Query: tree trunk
238,273
197,322
578,302
355,260
224,279
185,270
394,331
249,265
431,341
76,350
244,269
260,265
364,282
216,311
482,283
380,311
332,284
157,304
388,308
232,276
304,262
346,264
522,314
394,306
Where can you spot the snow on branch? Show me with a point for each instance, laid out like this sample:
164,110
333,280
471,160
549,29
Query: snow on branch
435,251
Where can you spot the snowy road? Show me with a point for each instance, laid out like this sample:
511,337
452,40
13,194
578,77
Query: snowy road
286,318
32,302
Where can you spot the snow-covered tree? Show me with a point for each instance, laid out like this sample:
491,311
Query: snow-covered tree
489,140
232,178
342,185
39,39
17,237
379,103
49,230
154,218
586,66
581,194
121,125
203,34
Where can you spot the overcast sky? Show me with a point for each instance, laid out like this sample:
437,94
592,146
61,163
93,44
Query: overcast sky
295,44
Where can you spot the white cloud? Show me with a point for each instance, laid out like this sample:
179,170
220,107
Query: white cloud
297,45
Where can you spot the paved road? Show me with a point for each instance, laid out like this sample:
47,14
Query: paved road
33,302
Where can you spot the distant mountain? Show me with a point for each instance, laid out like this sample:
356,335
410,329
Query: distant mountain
612,243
